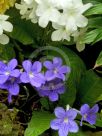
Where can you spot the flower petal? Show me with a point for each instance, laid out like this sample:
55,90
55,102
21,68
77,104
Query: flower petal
94,109
64,129
84,109
27,65
24,77
48,64
57,61
4,39
49,75
3,79
64,69
73,127
81,21
55,124
71,114
12,64
53,96
91,119
13,89
7,26
37,66
59,112
15,73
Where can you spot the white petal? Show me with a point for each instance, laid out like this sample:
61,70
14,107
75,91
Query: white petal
1,30
7,26
85,7
28,1
71,24
81,21
56,26
54,15
43,20
4,39
80,47
4,17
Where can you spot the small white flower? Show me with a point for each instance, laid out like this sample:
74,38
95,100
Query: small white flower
72,16
4,39
28,10
60,33
46,11
4,24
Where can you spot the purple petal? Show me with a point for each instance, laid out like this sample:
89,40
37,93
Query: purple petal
60,90
13,89
12,64
64,69
61,76
59,112
84,109
64,129
91,119
48,65
73,127
57,62
27,65
43,93
2,65
3,79
55,124
49,75
71,114
53,96
35,82
37,66
94,109
15,73
9,98
24,77
41,78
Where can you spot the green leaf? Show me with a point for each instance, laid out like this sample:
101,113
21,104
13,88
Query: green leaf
24,31
90,88
99,60
92,1
90,36
6,52
95,22
40,122
96,9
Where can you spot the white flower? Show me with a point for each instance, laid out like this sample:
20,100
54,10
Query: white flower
4,39
46,11
4,24
72,16
28,1
60,33
28,10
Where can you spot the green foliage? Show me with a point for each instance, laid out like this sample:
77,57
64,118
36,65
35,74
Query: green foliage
96,9
5,52
99,60
40,122
90,88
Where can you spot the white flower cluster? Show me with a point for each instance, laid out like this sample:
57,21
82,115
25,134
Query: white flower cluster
4,26
66,15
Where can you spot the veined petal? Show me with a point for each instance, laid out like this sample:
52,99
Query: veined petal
14,89
27,65
64,130
55,124
73,127
59,112
94,109
37,66
15,73
12,64
84,109
91,119
71,114
24,77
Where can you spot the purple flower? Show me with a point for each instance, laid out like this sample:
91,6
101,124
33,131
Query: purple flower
56,69
88,114
7,71
65,121
12,85
32,73
52,89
